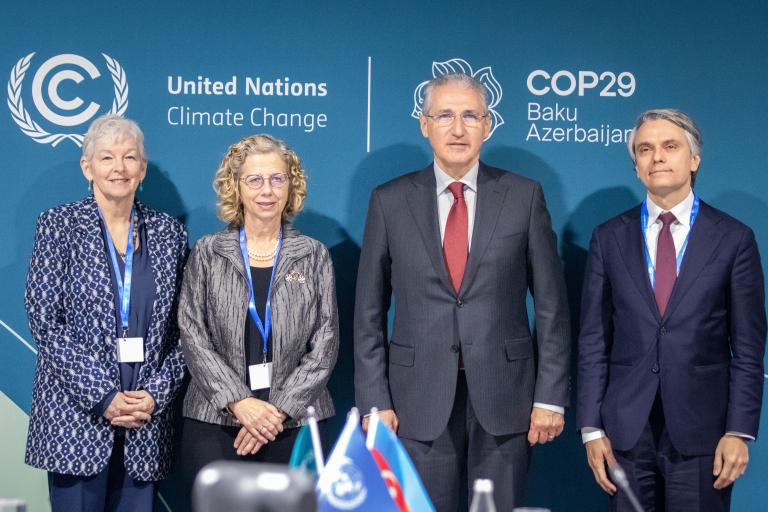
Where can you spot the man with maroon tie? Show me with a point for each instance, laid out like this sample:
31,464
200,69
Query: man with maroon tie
672,334
458,245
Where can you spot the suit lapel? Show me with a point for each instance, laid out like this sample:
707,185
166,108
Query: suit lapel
422,202
91,251
632,250
88,219
293,249
703,241
490,197
227,245
163,283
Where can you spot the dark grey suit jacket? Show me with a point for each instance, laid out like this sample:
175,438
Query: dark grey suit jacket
212,310
513,250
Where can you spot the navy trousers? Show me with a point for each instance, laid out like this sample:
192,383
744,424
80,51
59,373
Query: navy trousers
111,490
664,479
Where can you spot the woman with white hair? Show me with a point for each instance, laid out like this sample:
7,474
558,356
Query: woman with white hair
100,298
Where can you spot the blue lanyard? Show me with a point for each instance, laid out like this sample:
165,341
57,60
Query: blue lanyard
264,328
680,254
123,284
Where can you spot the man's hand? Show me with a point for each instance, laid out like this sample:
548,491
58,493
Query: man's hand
387,416
731,458
599,453
545,425
262,419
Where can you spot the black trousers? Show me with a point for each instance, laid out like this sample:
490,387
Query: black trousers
664,479
203,443
464,452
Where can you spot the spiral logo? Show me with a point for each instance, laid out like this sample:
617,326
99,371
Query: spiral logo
482,75
46,93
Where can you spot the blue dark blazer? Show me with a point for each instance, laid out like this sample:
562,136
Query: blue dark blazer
70,304
705,353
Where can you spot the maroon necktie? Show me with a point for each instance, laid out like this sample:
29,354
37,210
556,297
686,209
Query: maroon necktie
666,263
455,245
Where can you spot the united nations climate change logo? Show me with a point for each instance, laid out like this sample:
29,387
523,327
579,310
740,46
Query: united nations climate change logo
347,491
47,84
483,75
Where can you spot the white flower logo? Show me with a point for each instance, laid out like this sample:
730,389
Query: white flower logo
482,75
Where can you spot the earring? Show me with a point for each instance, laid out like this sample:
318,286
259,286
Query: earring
141,186
89,185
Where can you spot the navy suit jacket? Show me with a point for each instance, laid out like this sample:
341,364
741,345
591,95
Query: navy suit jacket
513,250
705,354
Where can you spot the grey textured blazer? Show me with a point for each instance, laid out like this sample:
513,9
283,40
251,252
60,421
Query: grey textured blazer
213,307
507,369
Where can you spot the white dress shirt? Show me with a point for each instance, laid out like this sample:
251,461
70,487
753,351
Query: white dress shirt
444,204
679,229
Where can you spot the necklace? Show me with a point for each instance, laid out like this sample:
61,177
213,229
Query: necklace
258,256
262,256
135,238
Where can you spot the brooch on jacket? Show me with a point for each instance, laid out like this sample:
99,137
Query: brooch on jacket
295,277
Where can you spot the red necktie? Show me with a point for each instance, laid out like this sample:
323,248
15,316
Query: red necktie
666,263
455,244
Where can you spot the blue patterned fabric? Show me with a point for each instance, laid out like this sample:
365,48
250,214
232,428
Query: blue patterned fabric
70,305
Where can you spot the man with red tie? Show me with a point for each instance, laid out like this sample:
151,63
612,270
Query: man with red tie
458,245
672,334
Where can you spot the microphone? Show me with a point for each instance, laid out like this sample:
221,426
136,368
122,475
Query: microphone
619,477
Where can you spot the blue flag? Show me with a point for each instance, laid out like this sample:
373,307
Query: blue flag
383,441
303,454
351,479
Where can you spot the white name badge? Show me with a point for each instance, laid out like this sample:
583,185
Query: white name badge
130,350
260,375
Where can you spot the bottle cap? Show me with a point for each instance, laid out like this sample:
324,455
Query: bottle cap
483,485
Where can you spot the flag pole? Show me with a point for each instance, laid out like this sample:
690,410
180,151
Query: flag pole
373,420
314,432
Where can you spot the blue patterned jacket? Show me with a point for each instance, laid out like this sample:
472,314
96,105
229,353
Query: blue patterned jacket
70,305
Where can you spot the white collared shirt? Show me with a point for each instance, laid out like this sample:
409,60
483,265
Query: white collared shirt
444,204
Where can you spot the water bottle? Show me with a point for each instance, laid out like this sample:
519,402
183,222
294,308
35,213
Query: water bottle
482,499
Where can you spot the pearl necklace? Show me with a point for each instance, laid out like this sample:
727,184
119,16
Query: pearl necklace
262,257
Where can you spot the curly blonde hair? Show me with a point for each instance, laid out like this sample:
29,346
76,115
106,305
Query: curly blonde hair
226,182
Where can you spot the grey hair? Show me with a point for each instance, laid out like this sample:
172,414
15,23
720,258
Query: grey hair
674,116
458,79
113,127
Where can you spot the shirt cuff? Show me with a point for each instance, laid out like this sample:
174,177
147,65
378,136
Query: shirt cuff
553,408
591,433
100,408
741,435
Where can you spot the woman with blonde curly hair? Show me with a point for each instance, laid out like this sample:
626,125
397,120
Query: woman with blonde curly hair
257,315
